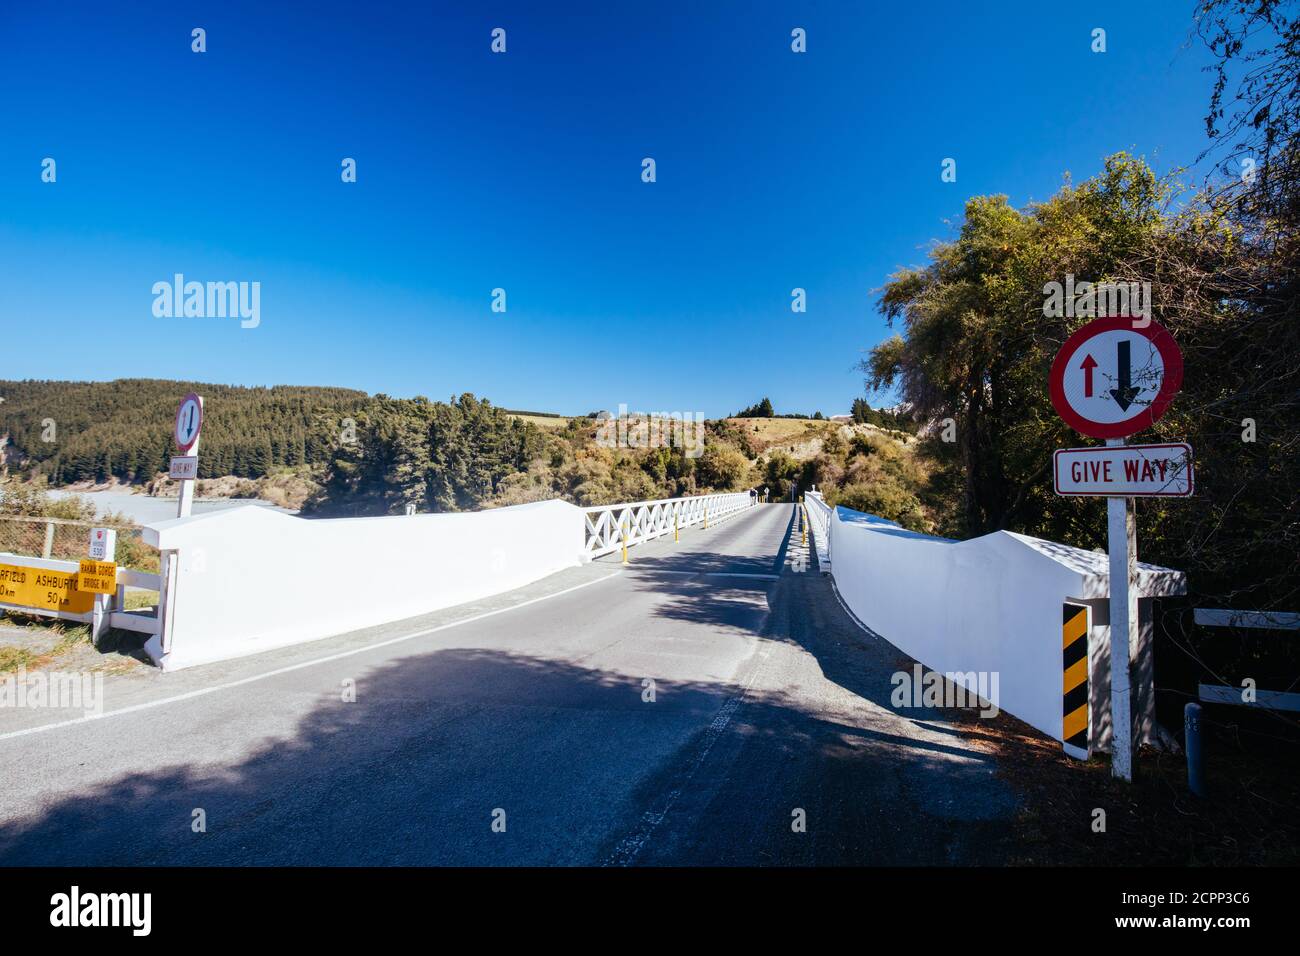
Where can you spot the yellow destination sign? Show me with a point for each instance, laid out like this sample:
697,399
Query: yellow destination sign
97,577
37,587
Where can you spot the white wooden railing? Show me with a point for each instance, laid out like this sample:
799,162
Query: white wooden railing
819,520
1264,620
609,527
109,610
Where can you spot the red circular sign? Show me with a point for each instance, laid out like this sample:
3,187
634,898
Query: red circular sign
189,421
1116,376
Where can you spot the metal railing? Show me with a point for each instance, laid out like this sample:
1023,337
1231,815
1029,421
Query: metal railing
610,527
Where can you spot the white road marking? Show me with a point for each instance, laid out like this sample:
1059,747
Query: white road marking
202,692
629,848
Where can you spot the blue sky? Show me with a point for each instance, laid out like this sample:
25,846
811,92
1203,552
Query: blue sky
522,171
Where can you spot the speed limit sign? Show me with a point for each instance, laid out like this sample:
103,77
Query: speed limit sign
189,421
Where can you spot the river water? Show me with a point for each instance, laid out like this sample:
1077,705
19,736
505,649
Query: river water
145,509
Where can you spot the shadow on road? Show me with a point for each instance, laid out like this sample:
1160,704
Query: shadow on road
412,771
906,784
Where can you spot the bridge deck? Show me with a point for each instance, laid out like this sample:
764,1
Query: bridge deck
767,700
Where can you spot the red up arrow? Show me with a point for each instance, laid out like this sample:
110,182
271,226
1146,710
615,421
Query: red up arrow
1089,363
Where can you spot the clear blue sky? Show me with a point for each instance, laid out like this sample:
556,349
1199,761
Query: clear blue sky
522,170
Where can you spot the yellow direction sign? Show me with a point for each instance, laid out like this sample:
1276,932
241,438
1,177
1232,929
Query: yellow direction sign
38,587
97,577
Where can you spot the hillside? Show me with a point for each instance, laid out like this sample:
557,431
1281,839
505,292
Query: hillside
342,452
95,431
803,437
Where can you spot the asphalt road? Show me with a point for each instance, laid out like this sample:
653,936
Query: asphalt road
691,708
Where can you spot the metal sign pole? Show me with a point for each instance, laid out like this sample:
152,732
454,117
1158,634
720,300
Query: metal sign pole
1119,526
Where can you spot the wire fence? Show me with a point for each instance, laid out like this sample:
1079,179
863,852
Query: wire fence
68,539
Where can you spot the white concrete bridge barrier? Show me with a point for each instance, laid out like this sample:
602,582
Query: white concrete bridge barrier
247,580
992,605
606,527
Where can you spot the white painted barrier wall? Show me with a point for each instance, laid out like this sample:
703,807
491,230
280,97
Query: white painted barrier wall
251,579
991,604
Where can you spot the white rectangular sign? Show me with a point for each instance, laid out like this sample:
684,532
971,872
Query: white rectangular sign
184,467
103,544
1125,471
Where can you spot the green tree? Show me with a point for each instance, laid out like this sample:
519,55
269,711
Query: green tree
762,410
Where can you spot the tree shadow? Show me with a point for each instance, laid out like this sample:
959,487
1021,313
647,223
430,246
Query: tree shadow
577,757
877,762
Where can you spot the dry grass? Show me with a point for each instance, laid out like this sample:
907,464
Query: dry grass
66,637
1248,818
51,643
285,487
801,438
543,421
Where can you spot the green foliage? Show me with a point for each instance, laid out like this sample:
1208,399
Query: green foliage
877,475
976,348
122,429
762,410
721,467
864,414
437,456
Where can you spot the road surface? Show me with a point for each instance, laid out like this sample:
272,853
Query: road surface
692,708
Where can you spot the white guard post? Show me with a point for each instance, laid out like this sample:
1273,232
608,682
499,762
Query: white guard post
102,547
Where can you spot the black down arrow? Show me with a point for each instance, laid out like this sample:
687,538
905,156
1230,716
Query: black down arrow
1126,393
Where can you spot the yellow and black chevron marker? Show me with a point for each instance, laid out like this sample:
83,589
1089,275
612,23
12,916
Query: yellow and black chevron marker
1074,686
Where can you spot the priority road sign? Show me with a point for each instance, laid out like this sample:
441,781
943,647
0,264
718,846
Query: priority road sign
1116,376
189,422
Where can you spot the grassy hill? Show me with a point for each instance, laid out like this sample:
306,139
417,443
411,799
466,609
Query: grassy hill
96,431
338,451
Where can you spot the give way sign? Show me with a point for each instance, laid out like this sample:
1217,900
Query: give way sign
1116,376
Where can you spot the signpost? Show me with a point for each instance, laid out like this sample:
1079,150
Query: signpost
37,587
184,468
103,544
1125,471
189,422
1113,378
97,577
